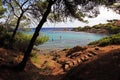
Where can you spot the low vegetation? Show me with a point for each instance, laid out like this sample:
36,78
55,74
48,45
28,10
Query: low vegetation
112,27
20,41
111,40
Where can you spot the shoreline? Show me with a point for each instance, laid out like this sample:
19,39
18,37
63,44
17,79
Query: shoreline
70,39
112,27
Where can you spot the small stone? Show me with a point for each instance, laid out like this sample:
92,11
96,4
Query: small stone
75,62
78,60
66,66
96,48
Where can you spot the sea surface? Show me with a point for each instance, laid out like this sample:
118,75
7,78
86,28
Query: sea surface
60,38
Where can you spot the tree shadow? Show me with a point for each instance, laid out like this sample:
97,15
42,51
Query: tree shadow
31,72
106,67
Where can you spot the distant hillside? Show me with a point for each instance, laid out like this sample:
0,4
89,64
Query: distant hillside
112,27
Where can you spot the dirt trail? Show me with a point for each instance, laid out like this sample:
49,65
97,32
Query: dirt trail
90,61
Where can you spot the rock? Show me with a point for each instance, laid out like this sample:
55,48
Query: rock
74,55
75,49
75,62
78,60
67,66
96,48
84,58
92,52
90,55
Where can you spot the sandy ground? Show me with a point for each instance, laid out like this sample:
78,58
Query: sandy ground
78,63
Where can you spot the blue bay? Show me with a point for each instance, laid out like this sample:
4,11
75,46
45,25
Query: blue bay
59,38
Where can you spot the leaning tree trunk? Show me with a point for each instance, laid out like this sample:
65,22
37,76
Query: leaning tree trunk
22,64
17,25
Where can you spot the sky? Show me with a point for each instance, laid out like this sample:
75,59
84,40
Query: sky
104,15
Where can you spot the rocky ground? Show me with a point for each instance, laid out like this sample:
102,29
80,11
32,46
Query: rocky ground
78,63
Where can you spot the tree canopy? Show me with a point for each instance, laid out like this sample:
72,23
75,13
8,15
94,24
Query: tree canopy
70,9
2,9
61,9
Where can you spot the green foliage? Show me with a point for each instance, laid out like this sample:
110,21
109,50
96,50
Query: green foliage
13,22
22,24
2,10
21,40
35,58
34,55
113,29
109,28
85,28
24,17
4,36
42,5
111,40
78,29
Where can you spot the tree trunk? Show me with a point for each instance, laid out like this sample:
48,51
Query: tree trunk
22,65
17,25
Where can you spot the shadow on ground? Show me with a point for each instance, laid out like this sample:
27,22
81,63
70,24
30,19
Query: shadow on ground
31,72
106,67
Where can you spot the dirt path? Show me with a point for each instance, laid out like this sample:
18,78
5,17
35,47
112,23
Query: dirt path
78,63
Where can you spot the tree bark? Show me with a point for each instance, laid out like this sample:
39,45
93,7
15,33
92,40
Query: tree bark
22,64
17,25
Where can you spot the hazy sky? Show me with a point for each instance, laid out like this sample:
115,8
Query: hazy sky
104,15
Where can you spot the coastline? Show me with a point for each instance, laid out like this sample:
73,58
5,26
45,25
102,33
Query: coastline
69,39
112,27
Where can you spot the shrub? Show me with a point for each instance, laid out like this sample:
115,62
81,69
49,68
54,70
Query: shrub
111,40
4,36
34,54
104,42
113,29
21,40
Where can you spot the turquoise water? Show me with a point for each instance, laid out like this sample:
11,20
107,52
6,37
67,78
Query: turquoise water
68,39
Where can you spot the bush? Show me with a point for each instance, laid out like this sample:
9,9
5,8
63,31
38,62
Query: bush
113,29
111,40
110,28
4,36
104,42
21,40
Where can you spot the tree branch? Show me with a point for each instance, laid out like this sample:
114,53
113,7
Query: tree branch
11,7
